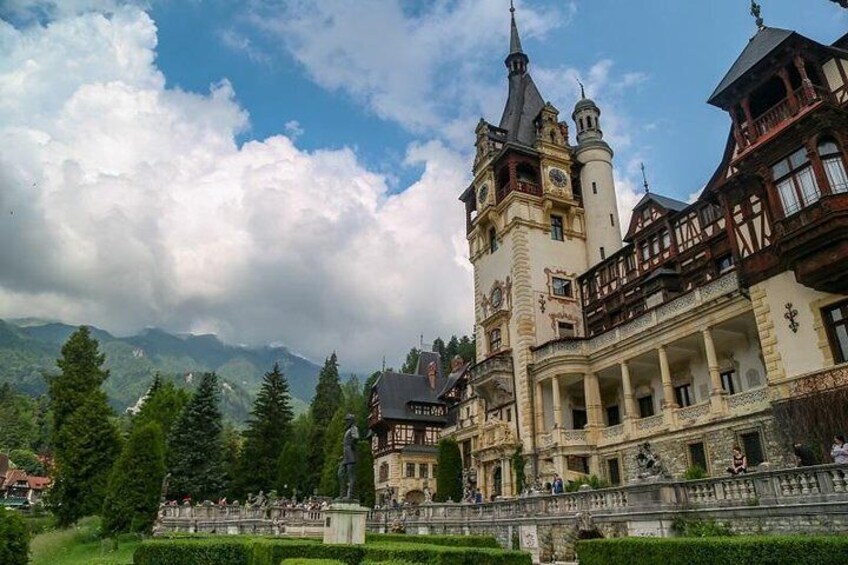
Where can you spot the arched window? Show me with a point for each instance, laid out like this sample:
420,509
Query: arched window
493,240
833,166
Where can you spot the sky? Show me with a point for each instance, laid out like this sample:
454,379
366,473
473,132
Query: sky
287,172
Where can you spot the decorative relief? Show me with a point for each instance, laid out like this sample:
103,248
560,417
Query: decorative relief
542,302
694,412
748,398
499,293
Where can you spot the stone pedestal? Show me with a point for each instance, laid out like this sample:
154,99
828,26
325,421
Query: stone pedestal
344,523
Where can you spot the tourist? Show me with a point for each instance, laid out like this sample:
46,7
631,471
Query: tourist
805,455
558,486
478,497
839,451
739,463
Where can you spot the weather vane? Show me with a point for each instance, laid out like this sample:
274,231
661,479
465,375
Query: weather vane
582,92
755,11
644,178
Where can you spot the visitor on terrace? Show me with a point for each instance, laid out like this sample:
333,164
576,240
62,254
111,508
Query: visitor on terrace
839,451
805,455
739,463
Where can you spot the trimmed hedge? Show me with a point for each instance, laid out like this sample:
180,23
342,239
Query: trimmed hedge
298,561
738,550
453,541
270,551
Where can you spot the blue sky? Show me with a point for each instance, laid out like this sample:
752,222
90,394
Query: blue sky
288,171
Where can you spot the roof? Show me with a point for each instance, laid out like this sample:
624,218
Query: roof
14,476
523,106
514,40
664,201
396,391
759,47
38,483
584,103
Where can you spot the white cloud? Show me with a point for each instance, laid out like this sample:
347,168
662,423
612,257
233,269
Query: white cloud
130,204
293,129
240,42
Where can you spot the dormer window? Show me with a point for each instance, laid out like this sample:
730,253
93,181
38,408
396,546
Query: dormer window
834,167
795,182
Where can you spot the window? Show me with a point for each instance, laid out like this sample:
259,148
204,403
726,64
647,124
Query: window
646,406
727,382
724,263
645,250
493,240
795,182
646,213
683,395
509,414
698,455
578,418
494,340
665,236
384,472
833,167
561,287
613,472
594,188
565,329
419,437
603,254
752,447
556,228
410,470
613,415
630,262
836,321
424,471
612,220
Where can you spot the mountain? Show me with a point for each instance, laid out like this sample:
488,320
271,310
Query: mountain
29,348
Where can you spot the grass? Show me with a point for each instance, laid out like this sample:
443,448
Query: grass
81,545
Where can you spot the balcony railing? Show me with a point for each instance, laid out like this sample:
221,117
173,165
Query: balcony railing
776,116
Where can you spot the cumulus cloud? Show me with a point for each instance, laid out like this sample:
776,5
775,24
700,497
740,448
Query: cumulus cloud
130,204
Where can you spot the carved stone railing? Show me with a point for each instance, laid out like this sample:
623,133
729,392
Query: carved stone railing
690,414
240,519
726,284
612,432
650,423
748,401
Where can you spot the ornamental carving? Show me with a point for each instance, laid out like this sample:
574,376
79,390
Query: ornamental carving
498,298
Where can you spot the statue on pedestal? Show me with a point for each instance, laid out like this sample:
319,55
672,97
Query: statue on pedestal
650,466
347,467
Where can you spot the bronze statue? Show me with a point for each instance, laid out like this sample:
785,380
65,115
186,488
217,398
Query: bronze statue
347,466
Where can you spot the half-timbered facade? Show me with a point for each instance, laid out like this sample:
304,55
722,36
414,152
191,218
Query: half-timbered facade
685,331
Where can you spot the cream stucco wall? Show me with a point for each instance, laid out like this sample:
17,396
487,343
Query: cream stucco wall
600,232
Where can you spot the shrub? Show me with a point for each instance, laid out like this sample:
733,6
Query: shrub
449,474
14,538
455,541
193,552
307,561
697,527
593,481
741,550
694,473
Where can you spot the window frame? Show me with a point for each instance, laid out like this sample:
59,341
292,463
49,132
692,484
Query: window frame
493,240
407,474
831,326
567,285
684,392
836,159
557,228
650,403
495,340
562,332
790,180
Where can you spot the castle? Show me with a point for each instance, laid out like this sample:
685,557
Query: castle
686,333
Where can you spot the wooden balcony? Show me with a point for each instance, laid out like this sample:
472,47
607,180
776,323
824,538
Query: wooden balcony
778,116
814,243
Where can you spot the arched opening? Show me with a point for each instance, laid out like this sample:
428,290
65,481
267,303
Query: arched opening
526,174
414,497
767,96
589,534
503,183
498,479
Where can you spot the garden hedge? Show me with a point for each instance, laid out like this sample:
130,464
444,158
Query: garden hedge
454,541
737,550
272,551
307,561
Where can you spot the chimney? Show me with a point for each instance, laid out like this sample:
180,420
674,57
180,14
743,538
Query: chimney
456,363
432,371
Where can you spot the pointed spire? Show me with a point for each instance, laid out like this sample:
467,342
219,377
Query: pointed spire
514,40
582,90
755,11
644,178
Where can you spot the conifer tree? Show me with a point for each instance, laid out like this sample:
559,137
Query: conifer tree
82,374
267,430
292,469
163,405
328,397
195,457
329,484
365,474
86,448
449,473
135,484
231,440
411,362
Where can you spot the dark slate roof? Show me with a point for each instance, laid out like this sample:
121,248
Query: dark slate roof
514,40
397,390
759,47
522,108
664,201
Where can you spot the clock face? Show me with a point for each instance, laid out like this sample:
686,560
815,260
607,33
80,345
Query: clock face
497,297
558,177
483,193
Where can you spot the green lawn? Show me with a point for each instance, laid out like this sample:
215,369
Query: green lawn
80,545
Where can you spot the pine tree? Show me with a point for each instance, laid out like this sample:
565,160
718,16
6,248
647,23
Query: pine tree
329,484
86,448
82,374
163,405
267,431
231,440
449,474
195,455
292,468
328,397
135,484
411,362
365,474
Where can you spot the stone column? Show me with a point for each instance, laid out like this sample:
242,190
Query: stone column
592,392
540,409
627,388
665,374
557,403
717,395
507,487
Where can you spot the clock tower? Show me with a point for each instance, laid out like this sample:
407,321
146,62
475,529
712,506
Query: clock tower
532,228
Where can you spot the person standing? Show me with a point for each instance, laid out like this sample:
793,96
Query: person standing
805,455
558,486
839,451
